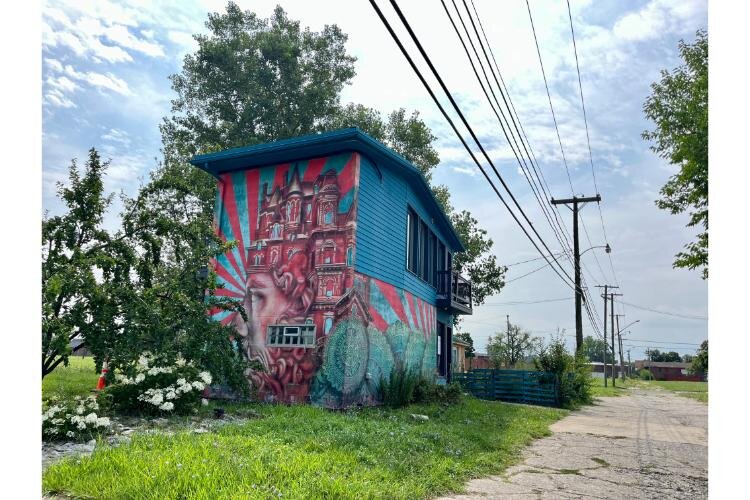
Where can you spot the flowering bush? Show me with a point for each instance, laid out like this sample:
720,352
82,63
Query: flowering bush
74,420
150,387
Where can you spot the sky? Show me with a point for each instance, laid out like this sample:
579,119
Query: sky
105,75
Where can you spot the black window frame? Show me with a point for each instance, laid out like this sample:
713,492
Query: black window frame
426,253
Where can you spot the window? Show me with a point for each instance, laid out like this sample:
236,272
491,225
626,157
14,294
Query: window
425,253
327,324
291,335
349,256
412,241
328,218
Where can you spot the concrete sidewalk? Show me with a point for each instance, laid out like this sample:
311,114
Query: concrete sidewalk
649,444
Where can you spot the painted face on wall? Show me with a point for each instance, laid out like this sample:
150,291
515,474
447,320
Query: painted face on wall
277,270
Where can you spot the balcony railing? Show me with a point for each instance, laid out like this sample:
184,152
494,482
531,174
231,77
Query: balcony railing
454,292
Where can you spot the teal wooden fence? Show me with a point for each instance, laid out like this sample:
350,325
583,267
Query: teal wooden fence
516,386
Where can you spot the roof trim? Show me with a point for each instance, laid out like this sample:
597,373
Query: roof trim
315,145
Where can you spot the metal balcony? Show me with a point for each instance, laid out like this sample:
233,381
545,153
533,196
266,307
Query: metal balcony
454,292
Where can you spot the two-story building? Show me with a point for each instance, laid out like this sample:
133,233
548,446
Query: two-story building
343,262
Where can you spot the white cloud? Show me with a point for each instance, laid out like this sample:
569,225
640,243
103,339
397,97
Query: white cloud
120,34
55,97
117,135
466,170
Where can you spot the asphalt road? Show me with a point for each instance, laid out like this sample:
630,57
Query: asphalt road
648,444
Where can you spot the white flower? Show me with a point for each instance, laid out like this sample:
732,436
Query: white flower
76,419
80,410
90,418
205,376
185,388
168,406
81,425
139,378
171,395
181,381
70,434
204,401
180,361
156,399
199,385
53,430
102,422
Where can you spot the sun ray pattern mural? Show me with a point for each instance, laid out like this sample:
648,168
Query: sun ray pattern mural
312,322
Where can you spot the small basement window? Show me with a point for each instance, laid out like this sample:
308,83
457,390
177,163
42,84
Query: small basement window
291,335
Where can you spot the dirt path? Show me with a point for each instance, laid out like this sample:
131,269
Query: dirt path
649,444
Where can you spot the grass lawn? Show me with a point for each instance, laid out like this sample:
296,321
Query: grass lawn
307,452
694,390
598,389
78,378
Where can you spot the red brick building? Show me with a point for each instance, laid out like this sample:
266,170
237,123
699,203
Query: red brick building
663,370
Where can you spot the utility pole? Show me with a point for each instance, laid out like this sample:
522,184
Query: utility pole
577,259
630,367
508,347
612,316
605,332
619,343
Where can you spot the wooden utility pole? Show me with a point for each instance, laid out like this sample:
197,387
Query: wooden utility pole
577,259
619,343
605,332
612,316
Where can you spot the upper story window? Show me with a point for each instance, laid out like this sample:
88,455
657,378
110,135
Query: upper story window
425,253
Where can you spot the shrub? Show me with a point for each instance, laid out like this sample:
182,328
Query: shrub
428,391
74,420
572,373
398,390
151,388
645,374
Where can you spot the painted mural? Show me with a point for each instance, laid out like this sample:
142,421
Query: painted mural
322,332
294,224
386,327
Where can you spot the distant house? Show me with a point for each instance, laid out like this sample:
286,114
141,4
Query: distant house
343,262
459,361
597,369
663,370
480,361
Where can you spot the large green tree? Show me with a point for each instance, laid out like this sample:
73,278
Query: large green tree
678,106
593,349
256,80
508,348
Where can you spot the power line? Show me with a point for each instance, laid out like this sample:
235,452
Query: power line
501,117
529,260
677,315
520,302
468,127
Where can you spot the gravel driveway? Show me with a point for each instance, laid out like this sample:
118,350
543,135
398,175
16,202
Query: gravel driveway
648,444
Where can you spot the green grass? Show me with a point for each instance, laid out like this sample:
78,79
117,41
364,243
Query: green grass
66,382
598,390
308,452
693,390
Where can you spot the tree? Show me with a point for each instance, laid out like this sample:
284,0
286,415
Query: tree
669,357
511,347
73,246
678,106
700,361
255,80
593,349
135,289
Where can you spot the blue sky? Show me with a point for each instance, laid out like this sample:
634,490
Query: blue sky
105,84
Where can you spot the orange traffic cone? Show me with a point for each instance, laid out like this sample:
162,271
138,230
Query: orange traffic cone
100,383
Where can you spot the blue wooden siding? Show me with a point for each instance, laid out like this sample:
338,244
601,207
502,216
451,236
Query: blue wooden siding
381,228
